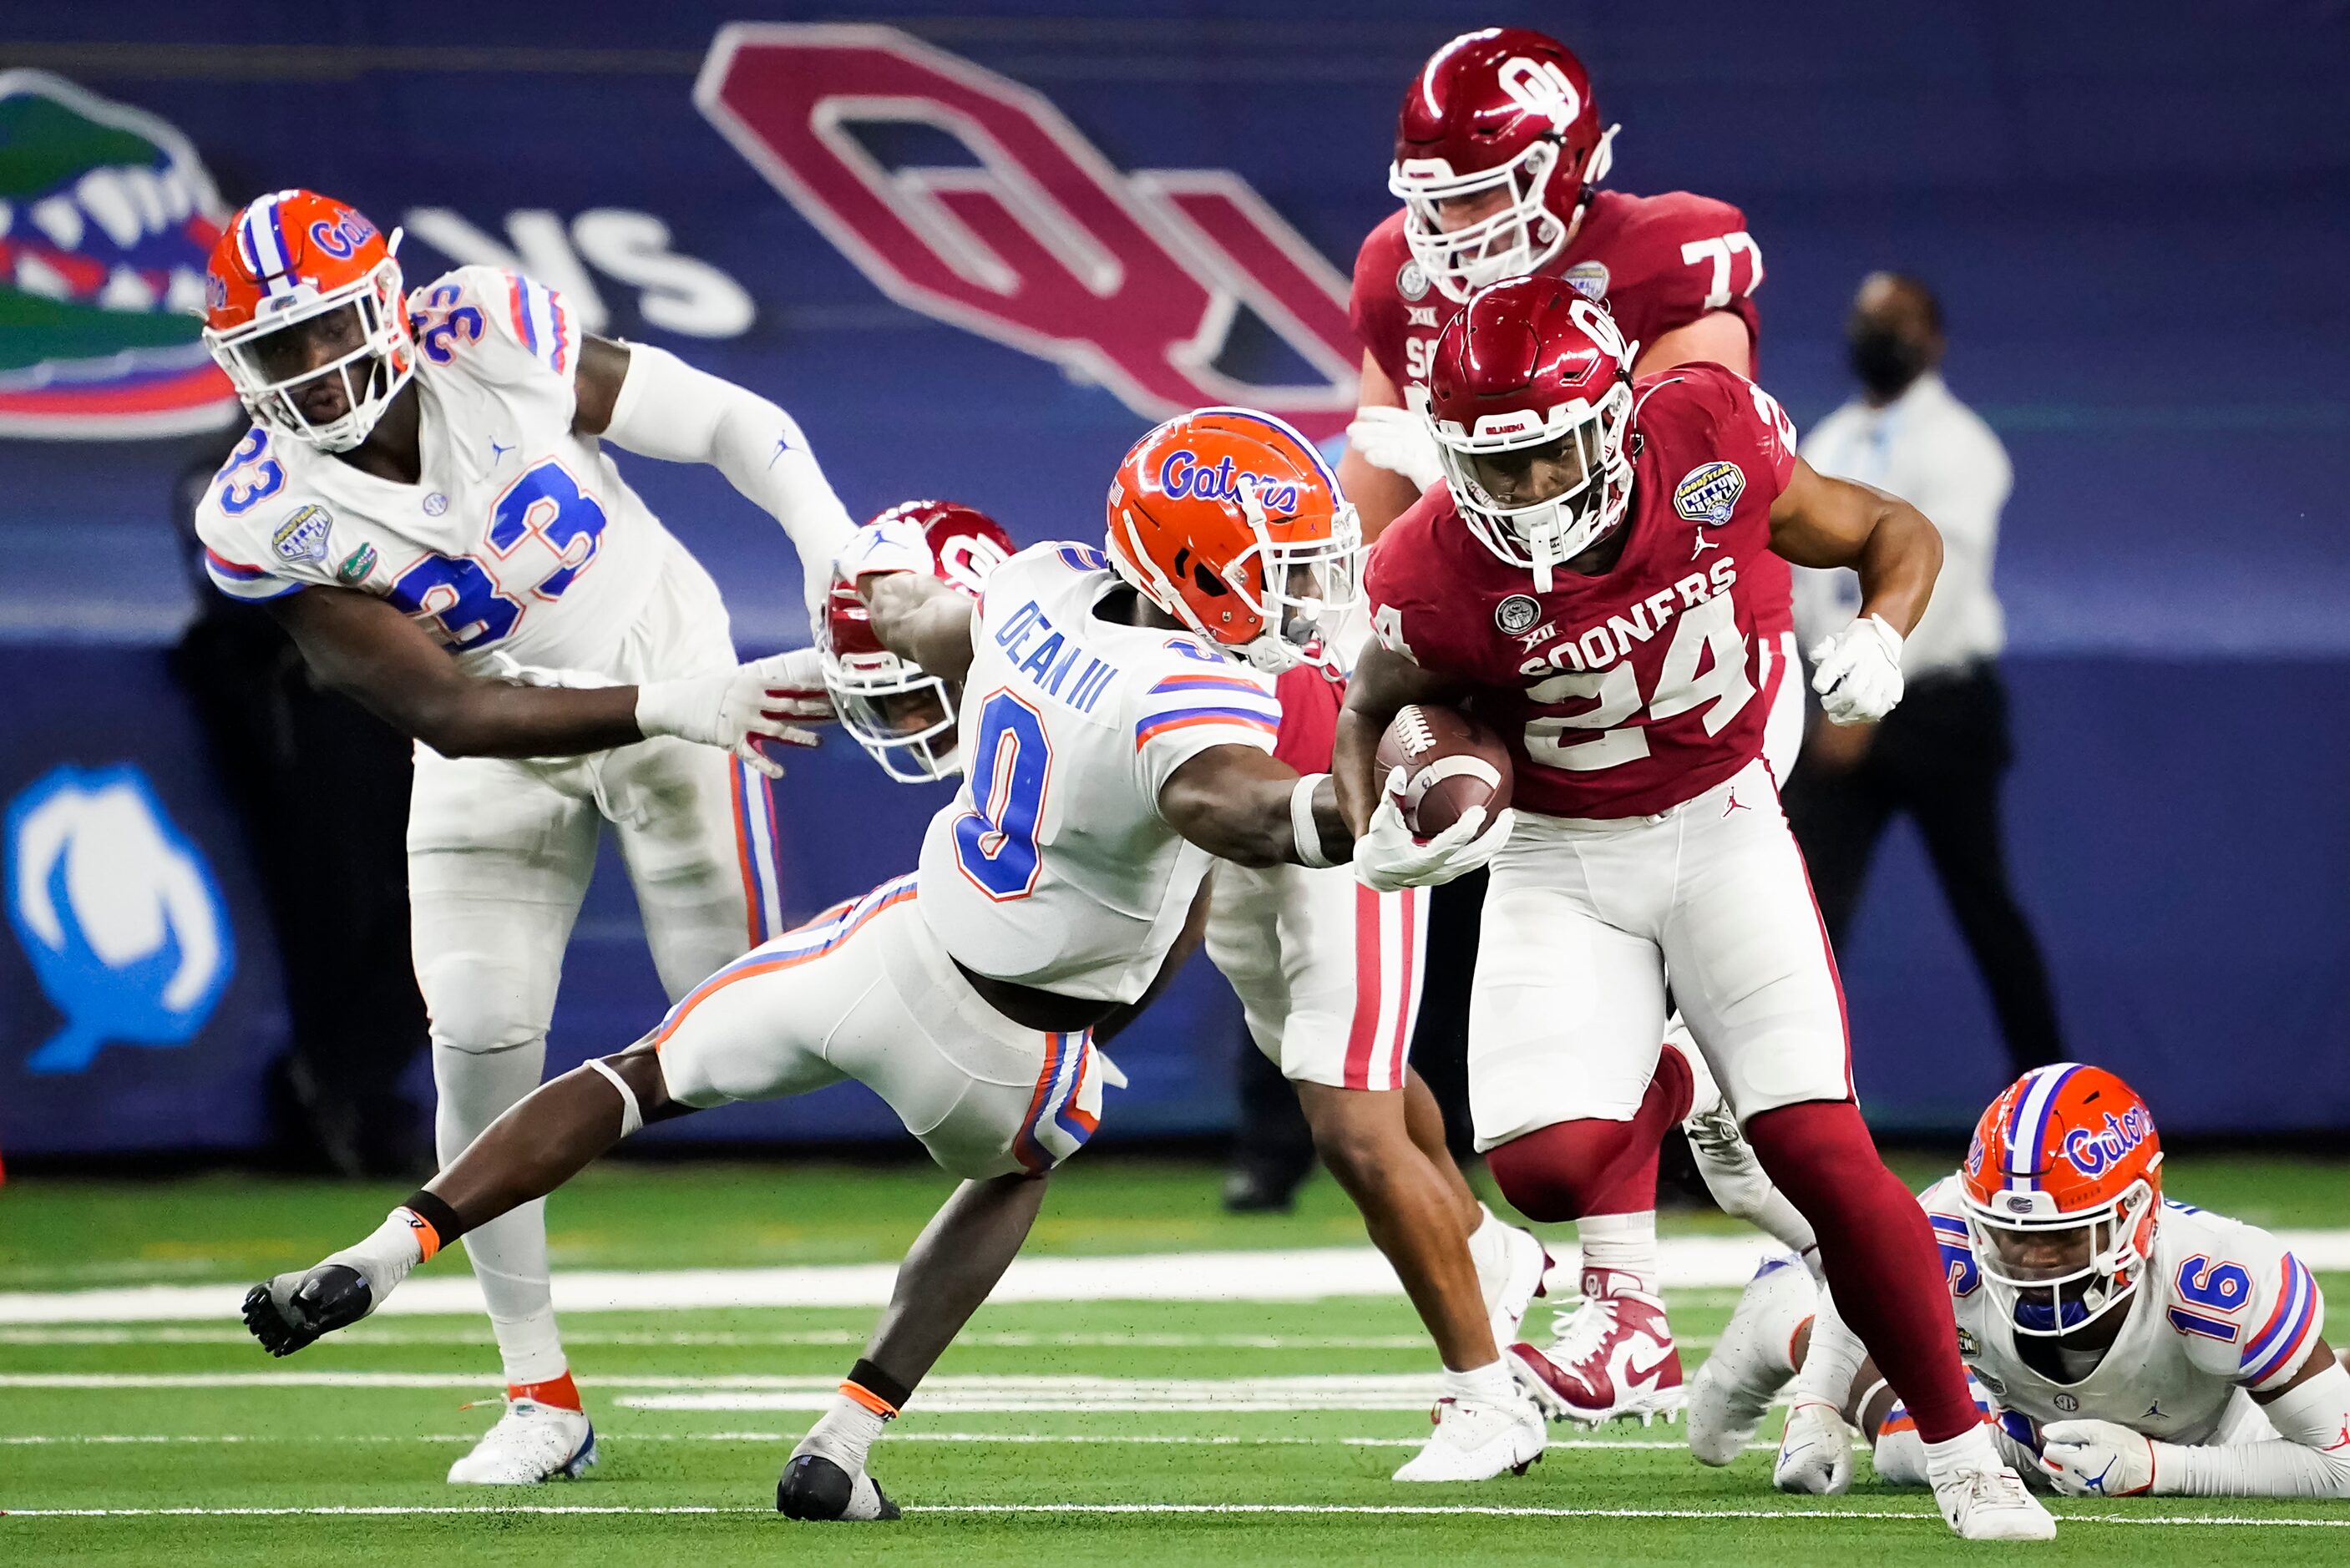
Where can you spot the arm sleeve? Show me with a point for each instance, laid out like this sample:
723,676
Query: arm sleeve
671,410
2308,1456
2288,1319
1183,712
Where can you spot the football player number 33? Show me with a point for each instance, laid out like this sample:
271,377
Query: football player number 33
469,595
1704,635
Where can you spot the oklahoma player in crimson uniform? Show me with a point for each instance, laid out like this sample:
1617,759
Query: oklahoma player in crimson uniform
1583,581
1500,152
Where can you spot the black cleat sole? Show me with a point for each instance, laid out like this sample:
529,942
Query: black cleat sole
332,1296
814,1488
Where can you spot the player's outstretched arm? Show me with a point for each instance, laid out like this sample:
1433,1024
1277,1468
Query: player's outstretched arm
915,616
369,651
2308,1456
1822,522
1239,804
1383,684
654,403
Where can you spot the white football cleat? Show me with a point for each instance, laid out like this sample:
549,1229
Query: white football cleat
1510,1265
1611,1358
1814,1452
1752,1362
531,1443
1476,1441
1981,1503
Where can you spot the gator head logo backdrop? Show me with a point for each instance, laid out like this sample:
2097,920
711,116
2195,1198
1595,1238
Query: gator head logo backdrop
107,217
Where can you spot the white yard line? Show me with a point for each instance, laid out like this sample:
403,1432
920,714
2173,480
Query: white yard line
1145,1439
1836,1515
1297,1274
1316,1274
475,1335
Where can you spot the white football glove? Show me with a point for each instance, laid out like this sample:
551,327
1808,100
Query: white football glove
1857,673
1388,858
1815,1451
1398,440
2096,1459
736,709
892,545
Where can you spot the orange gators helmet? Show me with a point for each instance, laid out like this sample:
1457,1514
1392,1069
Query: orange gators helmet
303,297
901,714
2062,1188
1229,520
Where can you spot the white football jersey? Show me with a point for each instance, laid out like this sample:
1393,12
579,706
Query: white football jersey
2224,1306
1053,867
518,538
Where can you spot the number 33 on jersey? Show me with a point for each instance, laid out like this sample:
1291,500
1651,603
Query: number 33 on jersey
1624,693
519,535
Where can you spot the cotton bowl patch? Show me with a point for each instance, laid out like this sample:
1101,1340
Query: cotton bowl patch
303,536
1587,278
1708,491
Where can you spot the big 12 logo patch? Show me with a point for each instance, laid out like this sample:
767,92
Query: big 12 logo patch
1130,280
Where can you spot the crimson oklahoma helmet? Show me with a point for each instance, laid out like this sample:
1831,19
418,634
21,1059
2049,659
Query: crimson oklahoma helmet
2062,1188
1530,390
901,714
1503,110
294,268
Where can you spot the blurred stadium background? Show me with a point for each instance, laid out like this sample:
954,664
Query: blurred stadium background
2137,218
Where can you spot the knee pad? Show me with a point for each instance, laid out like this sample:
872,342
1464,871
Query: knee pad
477,1008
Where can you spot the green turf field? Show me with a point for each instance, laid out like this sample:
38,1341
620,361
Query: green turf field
697,1409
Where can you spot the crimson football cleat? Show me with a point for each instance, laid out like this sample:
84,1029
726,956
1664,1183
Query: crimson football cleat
1612,1358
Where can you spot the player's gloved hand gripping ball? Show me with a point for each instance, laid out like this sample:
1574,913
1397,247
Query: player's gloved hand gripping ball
738,708
1858,671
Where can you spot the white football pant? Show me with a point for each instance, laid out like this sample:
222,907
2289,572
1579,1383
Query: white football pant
499,855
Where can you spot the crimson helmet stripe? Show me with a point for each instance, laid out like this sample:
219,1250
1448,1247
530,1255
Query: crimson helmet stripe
2027,1130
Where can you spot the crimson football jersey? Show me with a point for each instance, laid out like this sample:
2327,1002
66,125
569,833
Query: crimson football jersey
1658,262
1628,692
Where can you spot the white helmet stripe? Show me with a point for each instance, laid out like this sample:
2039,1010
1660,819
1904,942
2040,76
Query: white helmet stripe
2029,1128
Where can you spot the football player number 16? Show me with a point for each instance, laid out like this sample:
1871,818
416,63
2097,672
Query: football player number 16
1721,690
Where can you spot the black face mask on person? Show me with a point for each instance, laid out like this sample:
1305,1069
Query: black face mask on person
1884,360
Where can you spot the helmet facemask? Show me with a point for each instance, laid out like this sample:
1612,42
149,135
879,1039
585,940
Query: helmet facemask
901,714
1516,240
1539,493
1296,593
260,357
2055,1273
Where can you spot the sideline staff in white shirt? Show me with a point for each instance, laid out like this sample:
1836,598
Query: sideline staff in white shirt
1940,754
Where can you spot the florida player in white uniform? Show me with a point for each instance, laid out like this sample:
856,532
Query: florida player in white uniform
1102,779
1579,582
2122,1345
425,504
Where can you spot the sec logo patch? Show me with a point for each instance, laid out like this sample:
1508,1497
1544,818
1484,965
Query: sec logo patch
1708,492
1516,613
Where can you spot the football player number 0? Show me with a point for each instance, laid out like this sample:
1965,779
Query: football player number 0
995,841
1706,634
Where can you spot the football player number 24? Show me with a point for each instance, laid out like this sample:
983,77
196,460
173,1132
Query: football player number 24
465,594
1721,688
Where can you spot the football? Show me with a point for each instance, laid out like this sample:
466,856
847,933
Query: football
1451,762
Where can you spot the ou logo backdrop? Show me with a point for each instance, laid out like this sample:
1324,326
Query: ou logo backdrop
1129,280
118,911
